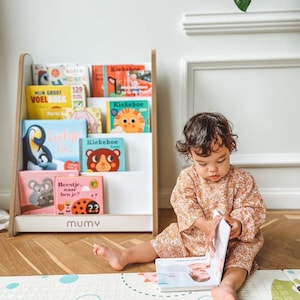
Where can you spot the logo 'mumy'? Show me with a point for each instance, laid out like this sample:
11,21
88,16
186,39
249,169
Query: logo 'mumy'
83,223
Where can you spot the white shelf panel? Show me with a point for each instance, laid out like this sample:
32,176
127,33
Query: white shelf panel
84,223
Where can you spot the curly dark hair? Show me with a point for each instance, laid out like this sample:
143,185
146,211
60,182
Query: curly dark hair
203,130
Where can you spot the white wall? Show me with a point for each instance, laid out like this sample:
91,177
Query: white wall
122,31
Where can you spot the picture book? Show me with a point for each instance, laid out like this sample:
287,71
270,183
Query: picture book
194,273
128,80
92,115
129,116
46,102
36,190
100,102
61,74
52,144
79,195
102,154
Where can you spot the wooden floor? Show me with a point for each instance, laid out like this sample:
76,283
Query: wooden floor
65,253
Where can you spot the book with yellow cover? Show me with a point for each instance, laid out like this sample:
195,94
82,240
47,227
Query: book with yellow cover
47,101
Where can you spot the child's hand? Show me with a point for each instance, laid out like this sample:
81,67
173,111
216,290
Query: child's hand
209,227
236,227
210,230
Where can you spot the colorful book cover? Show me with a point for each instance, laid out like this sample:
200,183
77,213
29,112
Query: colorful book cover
79,195
102,154
128,80
36,190
62,74
52,144
92,115
46,102
130,116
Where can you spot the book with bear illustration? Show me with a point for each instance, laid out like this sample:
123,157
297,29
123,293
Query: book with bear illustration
36,190
102,154
124,80
79,195
128,116
52,144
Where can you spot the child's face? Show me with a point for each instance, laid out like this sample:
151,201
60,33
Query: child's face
215,166
199,275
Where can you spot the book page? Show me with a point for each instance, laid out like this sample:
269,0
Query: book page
221,242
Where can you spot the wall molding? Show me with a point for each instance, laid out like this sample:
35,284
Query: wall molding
275,198
250,22
266,160
190,66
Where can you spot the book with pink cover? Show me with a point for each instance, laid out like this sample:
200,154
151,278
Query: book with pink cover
36,189
79,195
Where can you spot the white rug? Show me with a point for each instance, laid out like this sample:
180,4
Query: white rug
131,286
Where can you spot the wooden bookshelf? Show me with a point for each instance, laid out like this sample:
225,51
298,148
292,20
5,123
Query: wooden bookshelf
138,212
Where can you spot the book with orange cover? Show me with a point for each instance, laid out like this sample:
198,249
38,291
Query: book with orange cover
128,80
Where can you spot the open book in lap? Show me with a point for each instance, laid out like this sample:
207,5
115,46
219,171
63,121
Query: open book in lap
194,273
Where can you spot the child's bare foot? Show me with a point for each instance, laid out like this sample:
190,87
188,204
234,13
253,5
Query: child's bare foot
224,292
115,257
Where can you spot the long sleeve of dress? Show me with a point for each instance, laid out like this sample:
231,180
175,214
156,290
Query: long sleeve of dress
248,207
184,200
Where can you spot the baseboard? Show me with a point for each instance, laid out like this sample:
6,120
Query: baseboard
275,198
4,199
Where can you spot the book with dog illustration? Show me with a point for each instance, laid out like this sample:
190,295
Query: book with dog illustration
102,154
79,195
124,80
195,273
52,144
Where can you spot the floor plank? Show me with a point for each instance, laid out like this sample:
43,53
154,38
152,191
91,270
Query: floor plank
63,253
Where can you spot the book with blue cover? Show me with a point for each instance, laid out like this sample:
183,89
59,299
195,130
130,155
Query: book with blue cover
102,154
52,144
128,116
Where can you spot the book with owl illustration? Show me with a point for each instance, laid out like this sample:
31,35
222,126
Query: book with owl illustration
102,154
61,74
36,190
92,115
46,102
125,80
128,116
52,144
79,195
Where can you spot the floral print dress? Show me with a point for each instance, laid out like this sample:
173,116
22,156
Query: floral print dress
235,195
